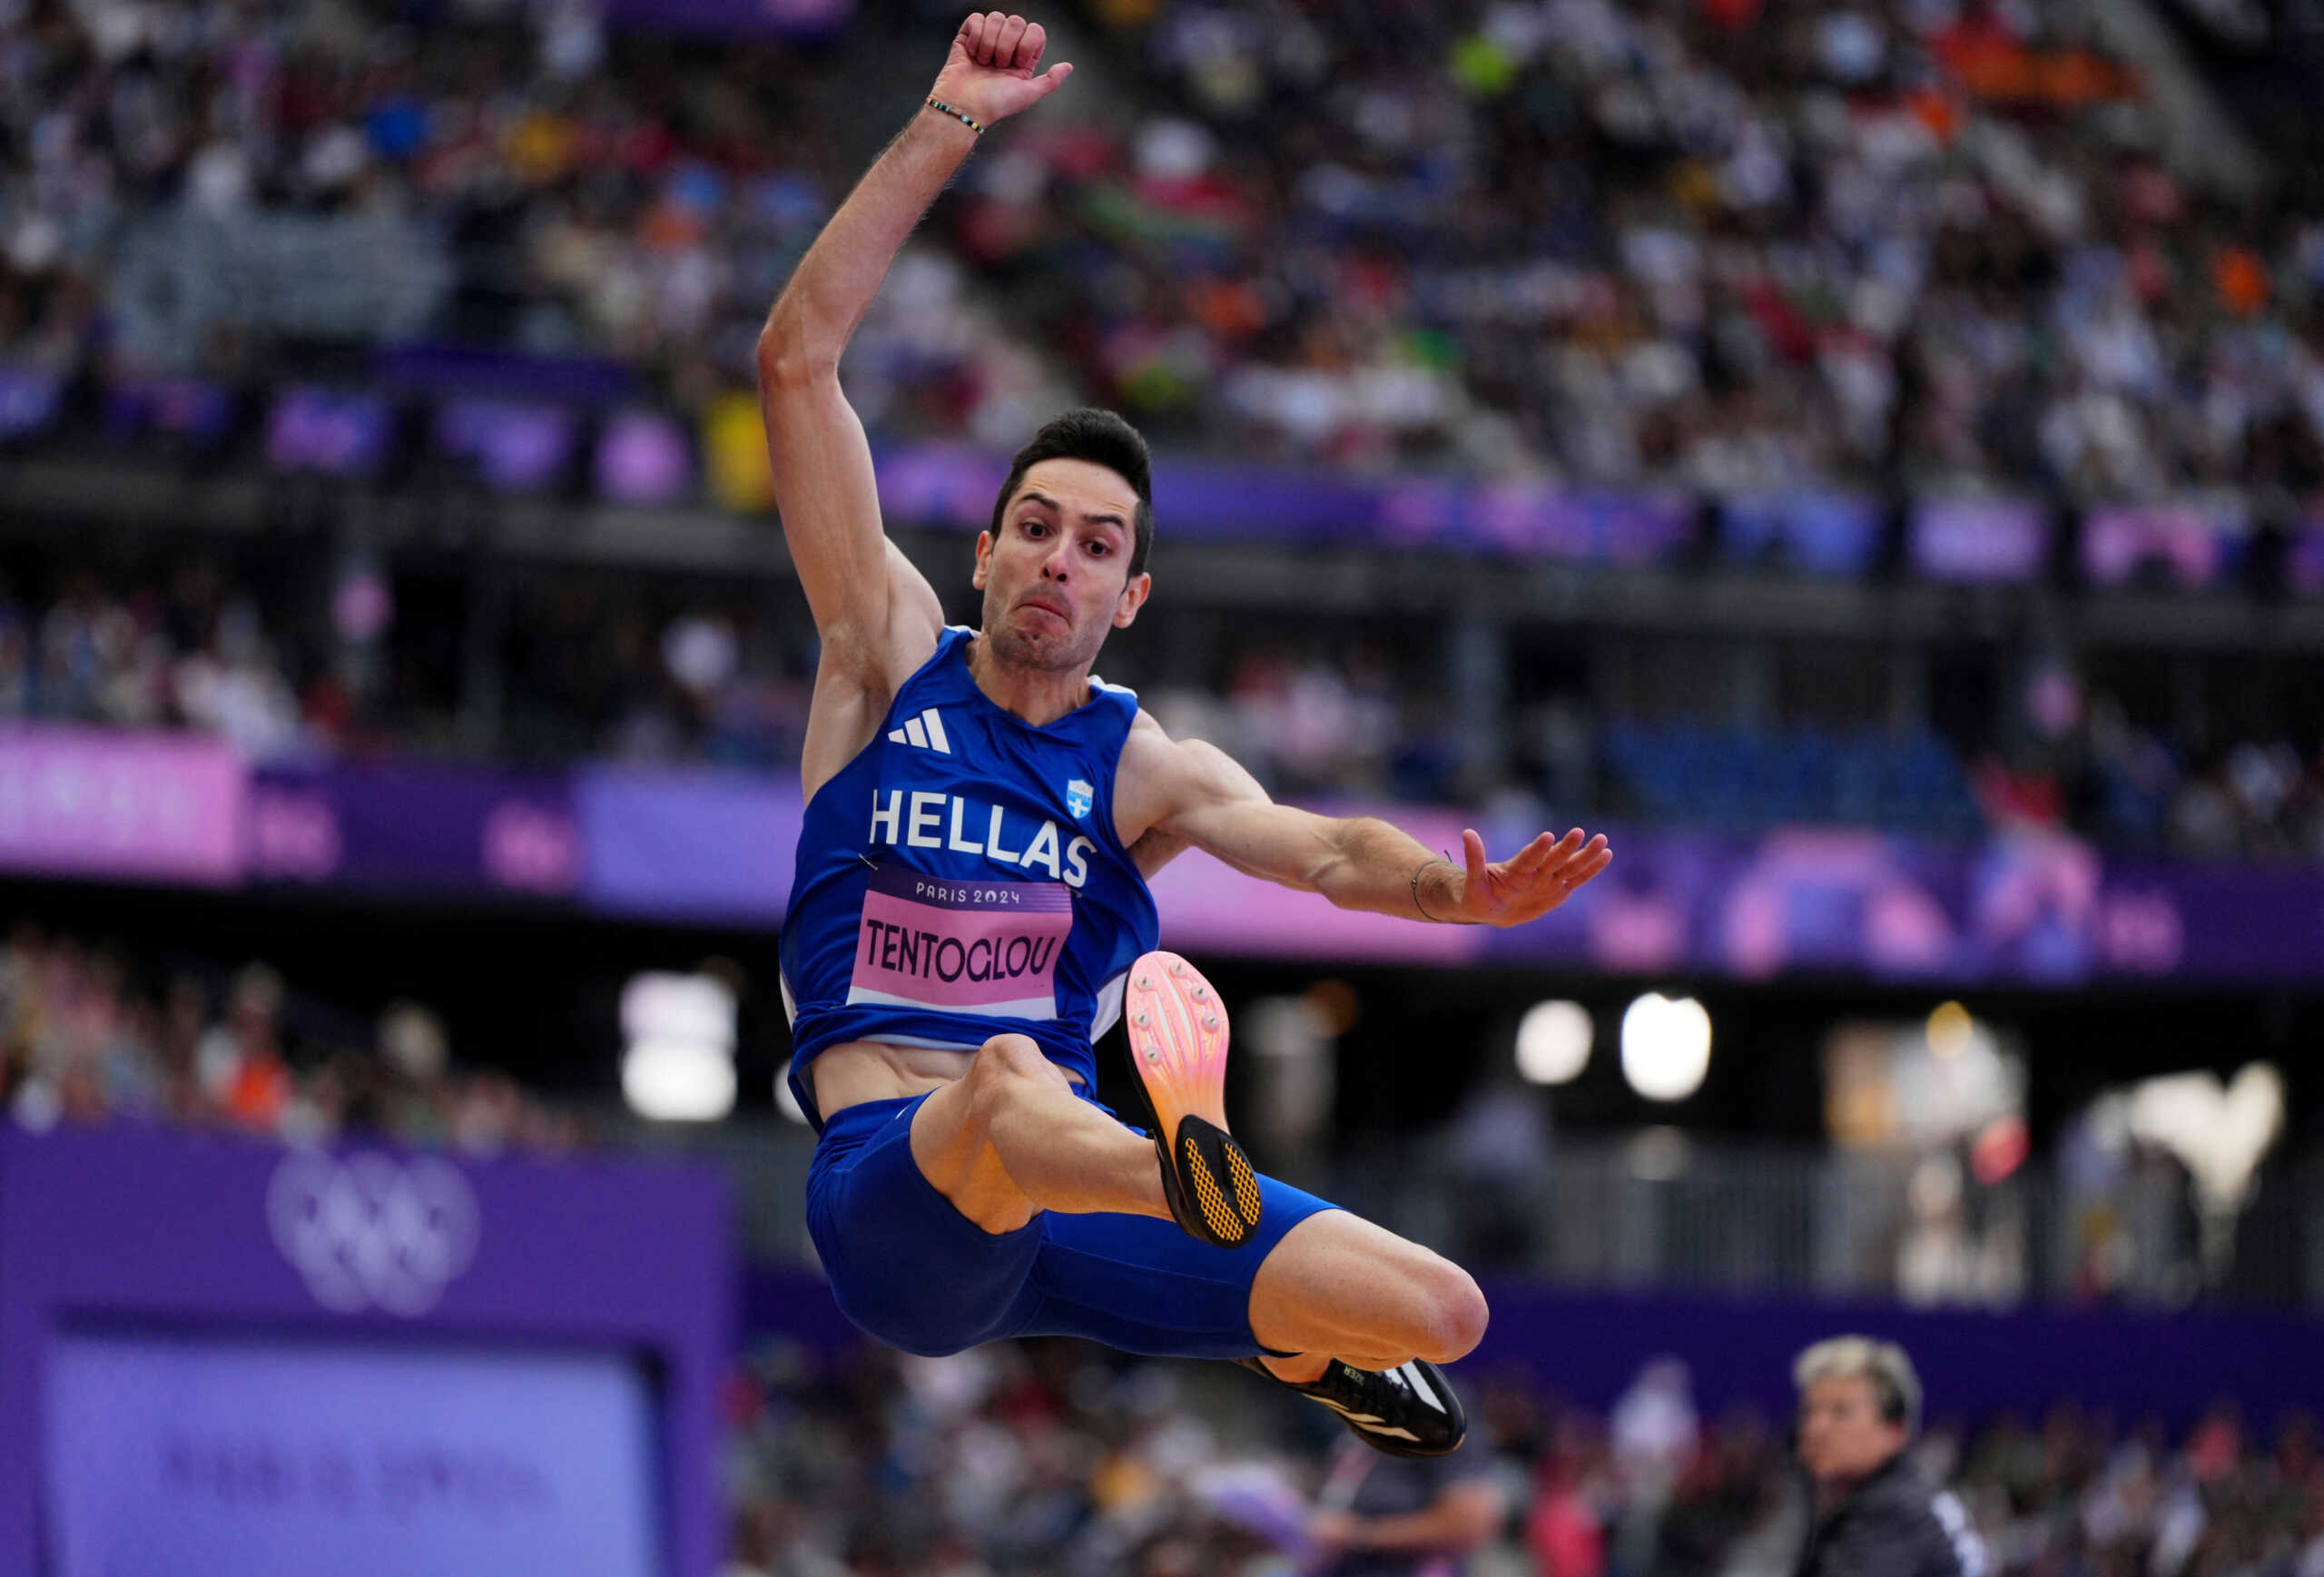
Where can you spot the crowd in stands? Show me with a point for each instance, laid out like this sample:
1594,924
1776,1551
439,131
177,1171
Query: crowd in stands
1731,245
1740,245
2079,759
228,192
192,653
593,668
640,672
588,669
1734,244
85,1036
1052,1459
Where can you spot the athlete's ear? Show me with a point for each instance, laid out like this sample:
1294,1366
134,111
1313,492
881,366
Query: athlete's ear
1133,597
984,559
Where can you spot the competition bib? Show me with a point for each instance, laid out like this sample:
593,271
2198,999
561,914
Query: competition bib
987,947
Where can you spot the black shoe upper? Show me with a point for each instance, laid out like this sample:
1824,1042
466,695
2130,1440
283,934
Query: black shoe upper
1406,1411
1211,1191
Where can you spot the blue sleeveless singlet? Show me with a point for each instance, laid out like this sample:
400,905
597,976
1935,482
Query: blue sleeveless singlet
961,879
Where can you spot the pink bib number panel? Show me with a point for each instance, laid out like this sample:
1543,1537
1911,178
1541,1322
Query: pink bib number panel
984,947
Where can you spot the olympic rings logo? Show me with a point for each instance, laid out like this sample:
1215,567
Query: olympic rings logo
370,1231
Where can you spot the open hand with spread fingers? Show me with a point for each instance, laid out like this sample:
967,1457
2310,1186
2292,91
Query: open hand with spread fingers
1527,885
994,69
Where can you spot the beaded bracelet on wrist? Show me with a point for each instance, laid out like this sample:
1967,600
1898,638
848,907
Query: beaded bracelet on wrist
936,104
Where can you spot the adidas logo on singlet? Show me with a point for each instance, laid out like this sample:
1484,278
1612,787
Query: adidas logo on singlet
925,731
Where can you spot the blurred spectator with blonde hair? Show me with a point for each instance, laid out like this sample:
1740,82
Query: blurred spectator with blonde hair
1874,1516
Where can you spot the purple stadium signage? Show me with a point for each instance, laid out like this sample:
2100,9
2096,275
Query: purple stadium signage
2304,556
717,845
1806,531
687,845
204,1457
2193,542
732,18
2036,910
1740,1350
2030,909
953,486
411,828
1995,540
79,801
254,1358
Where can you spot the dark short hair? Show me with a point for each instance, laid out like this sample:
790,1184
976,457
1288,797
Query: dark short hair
1103,439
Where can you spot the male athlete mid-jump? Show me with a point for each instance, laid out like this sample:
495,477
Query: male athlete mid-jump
969,912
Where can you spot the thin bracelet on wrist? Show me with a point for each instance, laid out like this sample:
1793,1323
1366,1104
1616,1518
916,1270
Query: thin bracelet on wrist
1423,865
934,103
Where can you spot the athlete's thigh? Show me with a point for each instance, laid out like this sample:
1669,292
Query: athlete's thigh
902,1262
1144,1285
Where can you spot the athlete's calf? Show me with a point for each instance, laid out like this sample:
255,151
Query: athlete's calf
1340,1286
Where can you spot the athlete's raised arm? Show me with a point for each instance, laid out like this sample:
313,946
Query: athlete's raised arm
878,617
1190,792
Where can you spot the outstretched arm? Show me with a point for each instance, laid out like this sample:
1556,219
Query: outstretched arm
988,76
1199,795
877,616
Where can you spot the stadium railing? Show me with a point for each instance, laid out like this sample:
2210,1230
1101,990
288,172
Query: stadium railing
1704,1215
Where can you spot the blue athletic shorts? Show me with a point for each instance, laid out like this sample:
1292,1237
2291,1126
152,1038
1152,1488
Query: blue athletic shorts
910,1269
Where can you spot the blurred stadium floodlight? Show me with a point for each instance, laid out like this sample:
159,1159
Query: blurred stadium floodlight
1951,1029
1554,1041
2219,1134
680,1064
1666,1046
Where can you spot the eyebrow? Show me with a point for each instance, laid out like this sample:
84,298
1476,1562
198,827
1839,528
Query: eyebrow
1030,497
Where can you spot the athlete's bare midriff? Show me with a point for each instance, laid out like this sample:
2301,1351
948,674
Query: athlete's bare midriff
855,1071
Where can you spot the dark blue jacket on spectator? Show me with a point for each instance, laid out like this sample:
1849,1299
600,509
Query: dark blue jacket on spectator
1893,1525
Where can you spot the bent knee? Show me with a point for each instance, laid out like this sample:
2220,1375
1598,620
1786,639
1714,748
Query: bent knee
1452,1313
1340,1283
1014,1056
1005,1061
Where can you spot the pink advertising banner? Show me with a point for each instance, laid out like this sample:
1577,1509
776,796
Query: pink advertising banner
2031,909
79,801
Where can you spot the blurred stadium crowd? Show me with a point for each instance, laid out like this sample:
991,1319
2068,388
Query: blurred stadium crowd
1050,1459
85,1036
1917,249
1744,246
645,674
1738,245
592,670
1923,248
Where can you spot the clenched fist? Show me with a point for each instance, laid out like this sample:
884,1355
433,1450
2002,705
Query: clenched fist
994,69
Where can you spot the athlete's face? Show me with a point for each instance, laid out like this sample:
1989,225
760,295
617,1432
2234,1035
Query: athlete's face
1057,578
1842,1435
